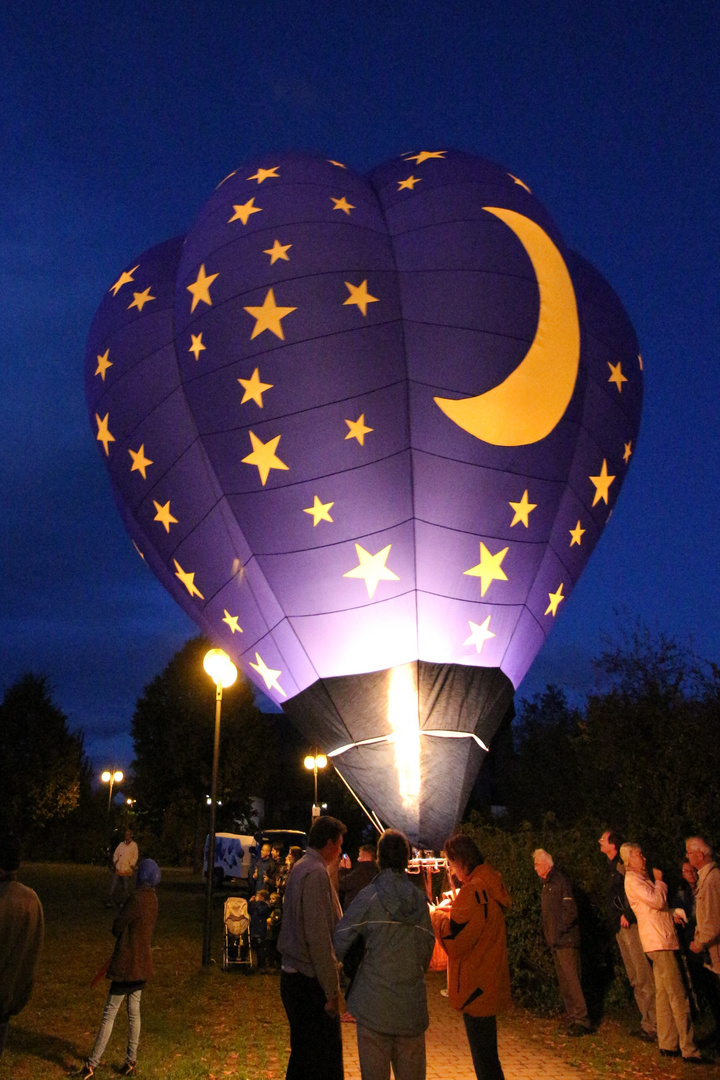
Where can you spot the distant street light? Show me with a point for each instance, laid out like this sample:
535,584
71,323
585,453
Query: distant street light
315,761
111,777
223,673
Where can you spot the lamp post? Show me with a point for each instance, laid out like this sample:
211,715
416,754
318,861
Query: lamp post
315,761
111,777
223,673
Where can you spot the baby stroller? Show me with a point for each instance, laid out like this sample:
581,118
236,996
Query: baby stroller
237,949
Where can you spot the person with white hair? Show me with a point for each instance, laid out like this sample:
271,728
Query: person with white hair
562,934
706,942
648,899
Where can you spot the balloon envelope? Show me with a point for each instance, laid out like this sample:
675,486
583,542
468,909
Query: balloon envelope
367,431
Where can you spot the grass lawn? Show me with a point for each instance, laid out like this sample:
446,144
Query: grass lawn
195,1022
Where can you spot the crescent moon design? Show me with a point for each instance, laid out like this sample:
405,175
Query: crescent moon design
532,400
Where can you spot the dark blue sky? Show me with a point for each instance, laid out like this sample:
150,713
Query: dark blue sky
119,121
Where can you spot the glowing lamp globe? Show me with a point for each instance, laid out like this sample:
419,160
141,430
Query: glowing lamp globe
220,668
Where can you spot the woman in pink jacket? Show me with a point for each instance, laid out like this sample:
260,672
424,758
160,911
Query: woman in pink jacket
656,927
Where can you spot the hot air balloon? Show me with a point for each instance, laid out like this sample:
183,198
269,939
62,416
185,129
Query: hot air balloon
367,431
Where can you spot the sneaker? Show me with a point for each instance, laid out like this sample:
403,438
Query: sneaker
576,1029
128,1069
85,1072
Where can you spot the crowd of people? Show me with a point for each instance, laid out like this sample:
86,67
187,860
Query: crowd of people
377,950
360,939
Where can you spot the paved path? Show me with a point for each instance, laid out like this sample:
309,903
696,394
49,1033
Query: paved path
448,1055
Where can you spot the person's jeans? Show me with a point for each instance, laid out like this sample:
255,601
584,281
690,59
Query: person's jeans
124,883
112,1005
482,1036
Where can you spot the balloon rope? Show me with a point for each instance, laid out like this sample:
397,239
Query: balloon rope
374,820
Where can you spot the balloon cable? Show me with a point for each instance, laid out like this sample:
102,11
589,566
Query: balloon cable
371,815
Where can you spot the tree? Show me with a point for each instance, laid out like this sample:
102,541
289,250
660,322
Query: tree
172,730
544,773
43,768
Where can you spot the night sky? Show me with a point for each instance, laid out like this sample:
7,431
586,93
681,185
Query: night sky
120,120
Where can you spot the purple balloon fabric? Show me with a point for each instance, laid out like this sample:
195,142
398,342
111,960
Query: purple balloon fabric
263,392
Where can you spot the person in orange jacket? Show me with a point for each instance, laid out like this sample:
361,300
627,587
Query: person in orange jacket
472,932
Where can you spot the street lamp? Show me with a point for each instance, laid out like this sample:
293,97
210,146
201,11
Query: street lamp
315,761
111,777
223,673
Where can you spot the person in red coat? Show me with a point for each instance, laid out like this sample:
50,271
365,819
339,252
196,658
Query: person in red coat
130,967
472,932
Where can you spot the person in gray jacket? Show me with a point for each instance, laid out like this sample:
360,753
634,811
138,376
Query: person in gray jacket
387,997
309,979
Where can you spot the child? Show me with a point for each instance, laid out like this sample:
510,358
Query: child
273,930
130,967
260,910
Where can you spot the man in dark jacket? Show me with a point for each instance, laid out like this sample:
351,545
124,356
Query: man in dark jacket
21,936
624,926
562,934
350,882
387,997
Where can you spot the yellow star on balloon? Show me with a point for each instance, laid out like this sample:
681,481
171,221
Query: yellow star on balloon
425,155
640,361
371,568
254,389
409,184
628,452
479,634
232,622
164,516
577,534
103,433
265,174
616,375
555,598
319,510
489,568
188,580
602,484
139,461
339,164
342,204
200,288
270,675
278,251
522,509
242,213
140,299
263,455
197,345
359,295
124,279
517,180
358,429
269,316
103,364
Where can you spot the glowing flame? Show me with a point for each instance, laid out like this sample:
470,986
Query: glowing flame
405,722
